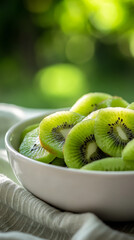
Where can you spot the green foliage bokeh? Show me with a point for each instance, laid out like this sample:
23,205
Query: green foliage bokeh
53,52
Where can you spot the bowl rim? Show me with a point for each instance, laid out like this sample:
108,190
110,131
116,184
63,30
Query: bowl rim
10,148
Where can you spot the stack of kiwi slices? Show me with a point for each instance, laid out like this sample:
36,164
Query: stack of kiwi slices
97,133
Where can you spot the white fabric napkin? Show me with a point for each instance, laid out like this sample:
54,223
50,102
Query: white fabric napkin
24,216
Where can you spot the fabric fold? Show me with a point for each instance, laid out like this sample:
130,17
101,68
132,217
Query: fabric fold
22,212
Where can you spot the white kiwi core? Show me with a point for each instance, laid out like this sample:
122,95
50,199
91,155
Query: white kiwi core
121,133
91,148
65,132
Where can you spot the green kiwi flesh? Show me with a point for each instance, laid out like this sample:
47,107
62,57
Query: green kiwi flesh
87,103
92,115
110,164
54,128
113,102
131,106
96,134
28,129
80,146
113,129
30,147
58,162
128,151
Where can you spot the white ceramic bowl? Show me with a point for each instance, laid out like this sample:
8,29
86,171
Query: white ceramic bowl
110,195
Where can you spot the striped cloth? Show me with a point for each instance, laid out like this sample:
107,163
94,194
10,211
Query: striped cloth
23,216
22,212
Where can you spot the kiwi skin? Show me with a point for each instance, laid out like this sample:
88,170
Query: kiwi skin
110,164
128,151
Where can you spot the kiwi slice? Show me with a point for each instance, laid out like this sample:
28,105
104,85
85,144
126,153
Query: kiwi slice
28,129
113,129
54,128
80,146
128,151
92,115
131,106
113,102
110,164
59,162
87,103
30,147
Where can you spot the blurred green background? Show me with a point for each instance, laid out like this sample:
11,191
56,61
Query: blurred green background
53,52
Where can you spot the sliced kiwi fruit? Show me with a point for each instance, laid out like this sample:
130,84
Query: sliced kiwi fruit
54,128
28,129
110,164
30,147
114,128
88,102
113,102
80,146
131,106
58,162
128,151
92,115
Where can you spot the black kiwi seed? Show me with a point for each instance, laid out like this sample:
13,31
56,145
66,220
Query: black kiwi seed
83,147
56,131
88,103
31,147
83,150
114,128
114,135
35,147
98,154
54,128
80,146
